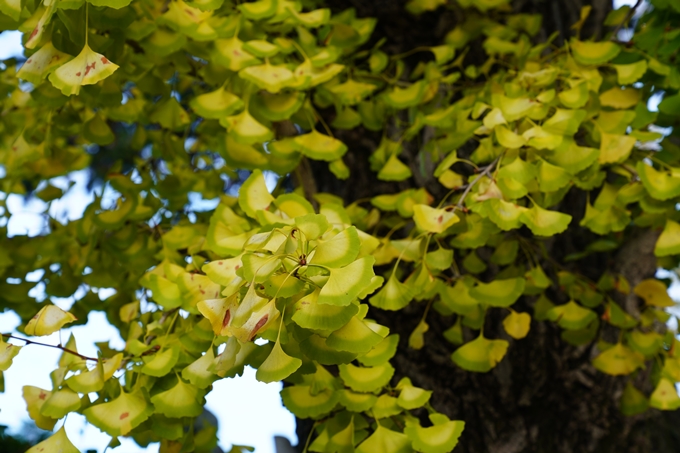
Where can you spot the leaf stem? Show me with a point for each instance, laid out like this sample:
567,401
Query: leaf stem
70,351
485,172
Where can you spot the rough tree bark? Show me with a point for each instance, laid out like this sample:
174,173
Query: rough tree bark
545,396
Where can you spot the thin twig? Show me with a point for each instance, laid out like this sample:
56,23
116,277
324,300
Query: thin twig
485,172
625,21
70,351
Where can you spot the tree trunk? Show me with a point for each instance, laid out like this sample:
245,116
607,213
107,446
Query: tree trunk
544,396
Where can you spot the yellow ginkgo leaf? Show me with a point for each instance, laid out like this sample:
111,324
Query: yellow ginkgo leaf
434,220
41,63
87,68
49,319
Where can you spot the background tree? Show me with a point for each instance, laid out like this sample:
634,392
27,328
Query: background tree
471,204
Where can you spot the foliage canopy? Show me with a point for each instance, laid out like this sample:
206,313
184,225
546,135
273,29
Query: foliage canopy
184,95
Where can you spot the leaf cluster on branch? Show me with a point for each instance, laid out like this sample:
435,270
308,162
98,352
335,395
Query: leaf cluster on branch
180,96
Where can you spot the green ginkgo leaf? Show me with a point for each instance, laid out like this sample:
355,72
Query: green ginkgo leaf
440,438
312,19
268,77
551,177
352,92
620,98
57,443
395,295
245,129
646,343
499,293
633,401
254,195
659,184
355,337
277,107
543,222
618,360
94,379
355,401
434,220
49,319
630,73
411,397
575,97
231,54
384,440
182,400
654,293
198,373
121,415
665,396
11,8
35,398
303,404
564,122
312,225
42,63
87,68
506,215
385,406
508,138
401,98
668,243
571,316
277,366
517,324
260,9
480,354
319,146
382,352
516,108
394,170
366,379
338,251
216,104
310,315
594,53
344,284
615,148
7,353
161,363
261,48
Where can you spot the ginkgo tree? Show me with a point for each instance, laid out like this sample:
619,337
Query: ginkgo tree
460,249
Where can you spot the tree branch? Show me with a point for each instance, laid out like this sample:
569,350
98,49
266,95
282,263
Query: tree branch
70,351
469,187
625,21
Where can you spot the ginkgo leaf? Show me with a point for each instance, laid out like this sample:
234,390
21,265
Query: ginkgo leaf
312,19
260,9
57,443
269,77
319,146
575,97
434,220
633,401
385,406
261,48
543,222
277,107
659,184
394,170
665,396
357,402
121,415
499,293
480,354
277,366
344,284
618,360
506,215
395,295
312,225
216,104
94,379
42,63
161,363
508,138
245,129
338,251
551,177
385,441
35,398
11,8
571,316
182,400
303,404
87,68
198,373
49,319
381,353
440,438
254,194
352,92
646,343
411,397
366,379
401,98
307,75
594,53
615,148
517,324
515,108
7,353
630,73
654,293
310,315
355,336
668,243
620,98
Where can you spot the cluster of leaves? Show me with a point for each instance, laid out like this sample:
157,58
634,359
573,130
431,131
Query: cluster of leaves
201,89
